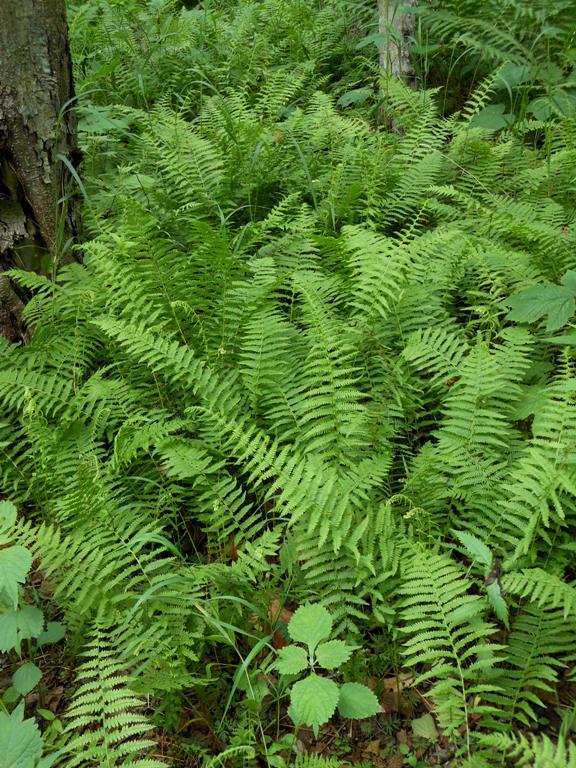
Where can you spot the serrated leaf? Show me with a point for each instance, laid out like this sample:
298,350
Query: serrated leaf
477,550
15,562
293,716
17,625
291,660
310,625
30,622
512,75
20,739
556,302
26,678
357,701
314,700
425,728
333,654
498,602
493,118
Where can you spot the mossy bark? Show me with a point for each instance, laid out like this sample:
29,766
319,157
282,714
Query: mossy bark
37,130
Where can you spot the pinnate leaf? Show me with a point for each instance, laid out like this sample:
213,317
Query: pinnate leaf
291,660
357,701
333,654
310,625
314,700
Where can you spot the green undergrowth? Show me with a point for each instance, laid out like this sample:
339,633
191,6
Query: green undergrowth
319,350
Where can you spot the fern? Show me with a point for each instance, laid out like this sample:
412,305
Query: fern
531,664
286,367
447,632
532,750
104,700
543,589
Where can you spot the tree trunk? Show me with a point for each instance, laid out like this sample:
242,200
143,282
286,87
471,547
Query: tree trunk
36,125
398,29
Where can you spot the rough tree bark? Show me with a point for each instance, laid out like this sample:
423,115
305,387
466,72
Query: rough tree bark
36,125
398,29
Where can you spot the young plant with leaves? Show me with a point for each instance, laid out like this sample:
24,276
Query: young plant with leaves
315,698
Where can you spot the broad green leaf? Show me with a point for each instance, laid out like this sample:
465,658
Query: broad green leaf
291,660
556,302
293,716
541,108
425,728
8,514
477,550
357,96
54,632
357,701
25,678
549,73
492,118
568,339
48,760
20,739
15,562
376,38
8,630
10,695
314,700
30,622
569,280
512,75
333,654
498,602
46,714
310,624
17,625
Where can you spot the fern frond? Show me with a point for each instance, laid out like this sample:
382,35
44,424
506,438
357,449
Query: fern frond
534,751
105,726
379,270
438,352
446,632
546,590
538,638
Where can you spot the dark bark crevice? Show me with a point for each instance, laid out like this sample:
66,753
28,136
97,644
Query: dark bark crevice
37,124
